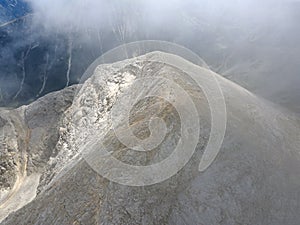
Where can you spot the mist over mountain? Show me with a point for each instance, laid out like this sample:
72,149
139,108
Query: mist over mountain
149,112
253,43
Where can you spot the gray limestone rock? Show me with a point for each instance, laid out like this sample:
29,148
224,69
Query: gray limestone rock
28,138
255,178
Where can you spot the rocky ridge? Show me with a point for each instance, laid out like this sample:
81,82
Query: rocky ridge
254,179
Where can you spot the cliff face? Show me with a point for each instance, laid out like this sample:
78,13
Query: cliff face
57,144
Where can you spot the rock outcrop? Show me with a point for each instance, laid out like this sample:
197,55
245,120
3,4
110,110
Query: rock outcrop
255,178
28,138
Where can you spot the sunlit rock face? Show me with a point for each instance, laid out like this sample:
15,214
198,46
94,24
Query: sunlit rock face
253,180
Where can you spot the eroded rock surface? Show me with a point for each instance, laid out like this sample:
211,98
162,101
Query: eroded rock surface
28,138
255,178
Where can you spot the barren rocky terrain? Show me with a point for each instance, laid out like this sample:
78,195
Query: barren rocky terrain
46,179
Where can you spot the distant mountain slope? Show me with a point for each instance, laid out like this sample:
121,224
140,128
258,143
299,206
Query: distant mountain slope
12,9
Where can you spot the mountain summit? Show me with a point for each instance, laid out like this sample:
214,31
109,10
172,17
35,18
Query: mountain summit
54,168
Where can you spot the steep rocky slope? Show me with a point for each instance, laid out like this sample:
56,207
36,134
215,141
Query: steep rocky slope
253,180
28,138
